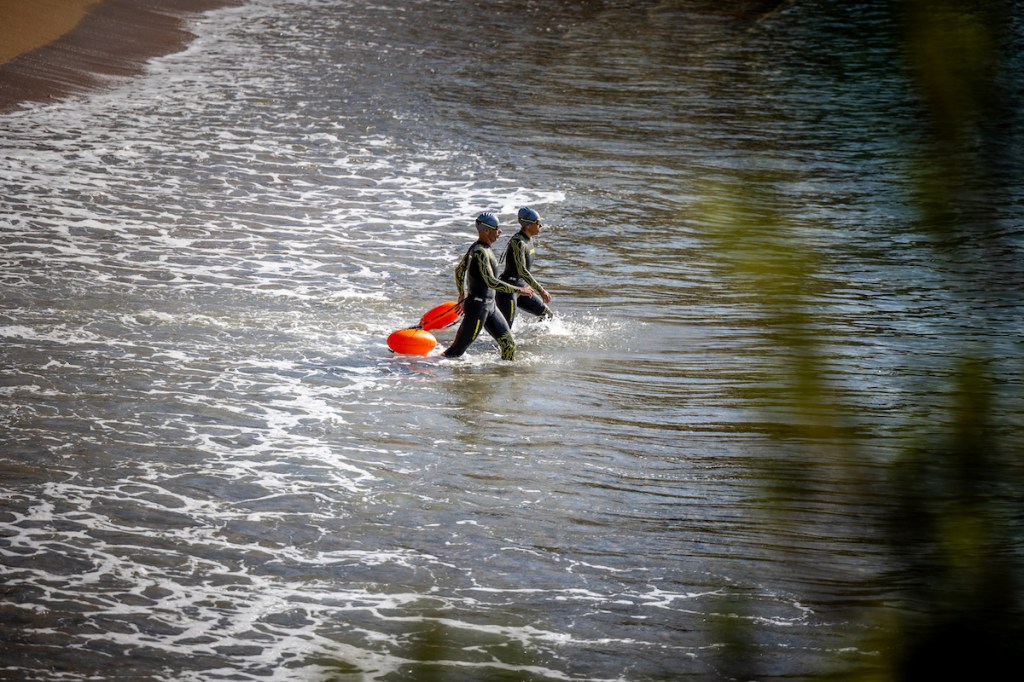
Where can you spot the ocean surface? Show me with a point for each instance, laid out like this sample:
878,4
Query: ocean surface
213,468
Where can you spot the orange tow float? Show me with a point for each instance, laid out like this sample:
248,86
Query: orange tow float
418,340
441,316
412,341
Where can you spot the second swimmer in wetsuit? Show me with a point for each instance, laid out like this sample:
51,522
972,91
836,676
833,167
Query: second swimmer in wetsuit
518,263
475,272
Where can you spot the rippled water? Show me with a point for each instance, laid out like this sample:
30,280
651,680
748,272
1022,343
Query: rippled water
213,468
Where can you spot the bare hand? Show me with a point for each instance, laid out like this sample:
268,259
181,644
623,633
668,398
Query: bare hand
526,291
545,296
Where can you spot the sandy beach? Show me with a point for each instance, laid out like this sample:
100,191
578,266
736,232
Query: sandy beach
51,48
26,26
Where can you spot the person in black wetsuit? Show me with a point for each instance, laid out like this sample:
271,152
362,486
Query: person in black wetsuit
518,264
477,284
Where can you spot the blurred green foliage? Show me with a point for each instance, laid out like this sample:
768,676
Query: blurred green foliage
956,493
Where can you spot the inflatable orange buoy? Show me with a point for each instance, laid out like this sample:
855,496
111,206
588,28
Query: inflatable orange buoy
412,341
440,316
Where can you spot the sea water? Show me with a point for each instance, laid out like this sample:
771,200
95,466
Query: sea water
213,468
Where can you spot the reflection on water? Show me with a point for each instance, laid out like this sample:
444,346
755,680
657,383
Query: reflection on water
214,468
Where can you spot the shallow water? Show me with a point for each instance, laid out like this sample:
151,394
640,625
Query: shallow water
213,468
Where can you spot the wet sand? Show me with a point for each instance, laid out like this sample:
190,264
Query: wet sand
52,48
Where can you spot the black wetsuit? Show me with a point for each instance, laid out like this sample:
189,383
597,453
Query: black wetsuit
518,264
476,272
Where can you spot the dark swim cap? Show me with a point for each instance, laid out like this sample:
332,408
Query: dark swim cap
527,216
485,221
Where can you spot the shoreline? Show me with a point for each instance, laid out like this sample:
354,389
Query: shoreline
67,47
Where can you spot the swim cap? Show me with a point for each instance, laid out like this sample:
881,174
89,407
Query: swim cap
528,216
486,220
